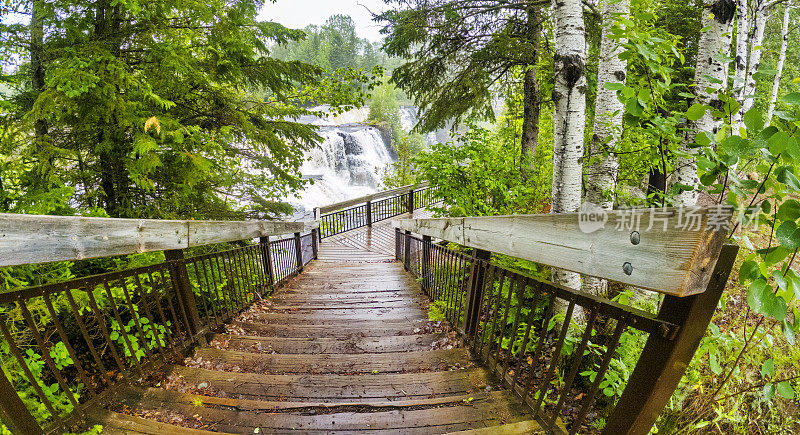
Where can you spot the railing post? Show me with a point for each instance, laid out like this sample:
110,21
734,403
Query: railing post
13,412
314,248
475,288
298,252
369,213
407,259
411,201
183,288
397,236
426,263
266,256
663,362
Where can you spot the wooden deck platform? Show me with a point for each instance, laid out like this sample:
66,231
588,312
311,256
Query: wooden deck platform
345,347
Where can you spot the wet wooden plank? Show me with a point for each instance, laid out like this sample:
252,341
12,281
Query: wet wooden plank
332,330
355,345
337,388
397,362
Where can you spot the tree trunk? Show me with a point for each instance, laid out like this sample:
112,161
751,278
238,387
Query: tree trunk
602,175
748,97
742,36
530,119
38,83
569,98
718,18
781,60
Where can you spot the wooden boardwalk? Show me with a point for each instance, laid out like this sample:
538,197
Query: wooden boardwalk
345,347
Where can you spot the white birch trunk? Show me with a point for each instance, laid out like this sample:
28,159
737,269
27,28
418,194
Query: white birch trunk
781,60
742,37
718,18
608,113
569,97
759,23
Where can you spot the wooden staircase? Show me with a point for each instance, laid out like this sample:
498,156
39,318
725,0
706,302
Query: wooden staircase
345,347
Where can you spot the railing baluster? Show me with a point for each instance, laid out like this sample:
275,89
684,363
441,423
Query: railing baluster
555,357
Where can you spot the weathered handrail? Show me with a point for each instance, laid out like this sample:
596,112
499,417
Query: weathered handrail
93,333
373,208
667,250
507,318
33,239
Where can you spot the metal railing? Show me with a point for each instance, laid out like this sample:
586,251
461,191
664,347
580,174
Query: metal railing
374,208
537,336
75,341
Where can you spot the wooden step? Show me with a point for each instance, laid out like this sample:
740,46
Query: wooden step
341,316
354,345
399,362
115,423
474,411
337,329
335,388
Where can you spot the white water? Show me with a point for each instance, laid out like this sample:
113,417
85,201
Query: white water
349,161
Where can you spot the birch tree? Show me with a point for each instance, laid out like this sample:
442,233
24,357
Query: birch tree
569,98
742,37
602,175
747,93
711,75
781,60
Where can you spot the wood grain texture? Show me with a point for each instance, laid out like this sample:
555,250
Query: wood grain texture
31,239
374,197
676,261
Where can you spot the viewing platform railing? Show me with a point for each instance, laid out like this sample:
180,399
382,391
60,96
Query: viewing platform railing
364,211
86,336
537,337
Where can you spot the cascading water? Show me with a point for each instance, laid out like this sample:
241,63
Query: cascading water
349,160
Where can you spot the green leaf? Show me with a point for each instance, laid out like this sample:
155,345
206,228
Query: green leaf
788,235
714,364
792,99
614,86
785,175
780,280
788,331
777,307
753,120
769,391
695,112
749,271
768,368
785,390
789,210
756,295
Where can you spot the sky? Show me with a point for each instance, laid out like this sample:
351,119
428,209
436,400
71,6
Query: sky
297,14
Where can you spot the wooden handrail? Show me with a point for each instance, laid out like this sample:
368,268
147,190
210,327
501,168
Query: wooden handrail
666,258
32,239
373,197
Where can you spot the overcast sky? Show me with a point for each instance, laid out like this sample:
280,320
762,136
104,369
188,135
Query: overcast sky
297,14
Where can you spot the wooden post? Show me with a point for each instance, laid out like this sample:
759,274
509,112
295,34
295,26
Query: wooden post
426,263
369,213
397,244
314,247
407,251
475,288
316,213
663,362
13,412
183,288
266,256
298,252
411,201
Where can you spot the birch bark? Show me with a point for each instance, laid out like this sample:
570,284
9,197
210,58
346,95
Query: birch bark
742,37
781,60
718,19
602,175
569,98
